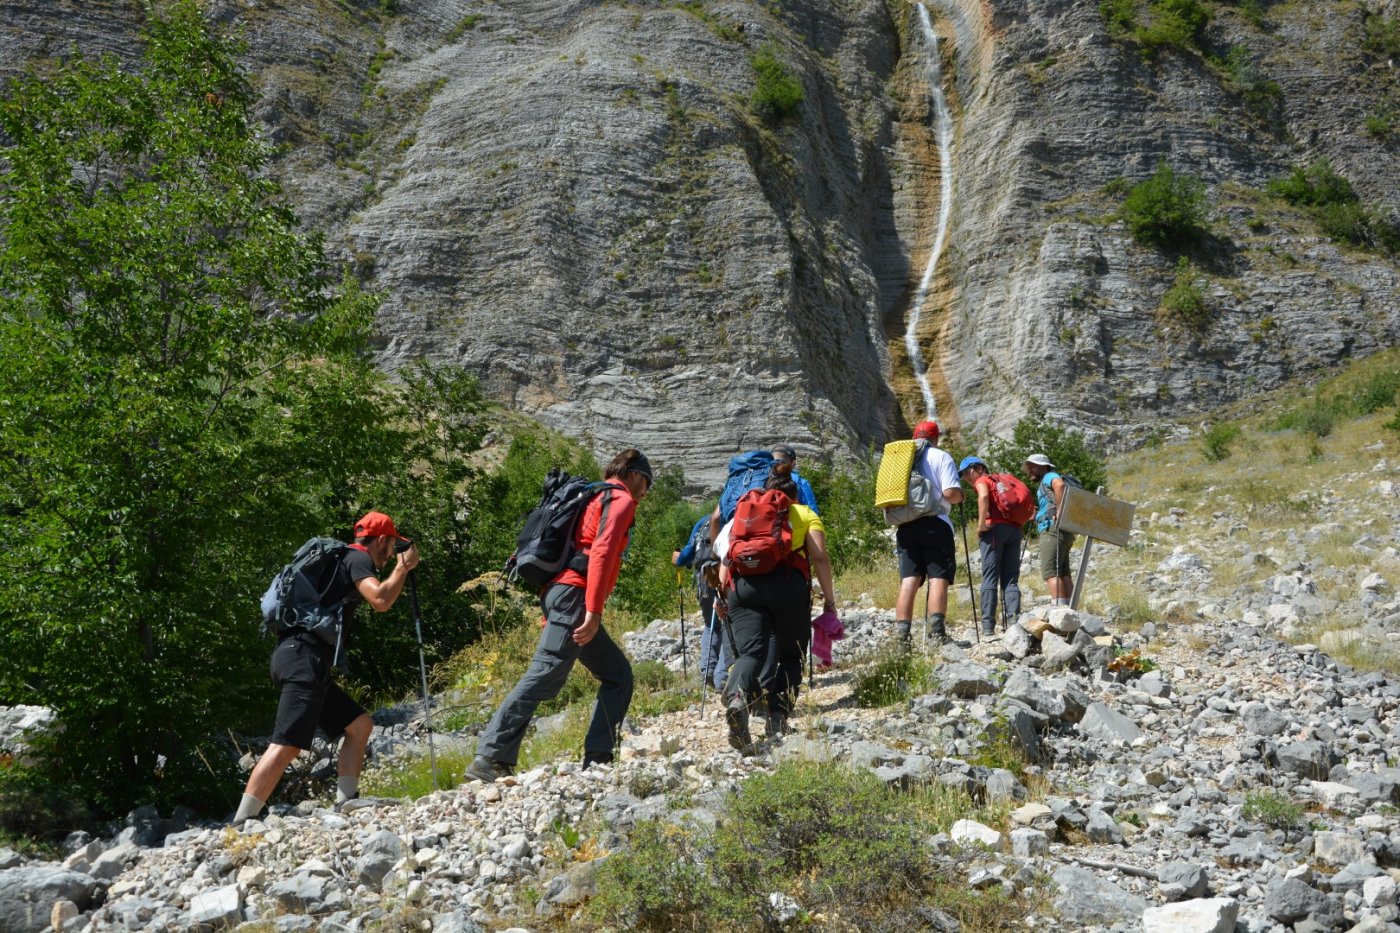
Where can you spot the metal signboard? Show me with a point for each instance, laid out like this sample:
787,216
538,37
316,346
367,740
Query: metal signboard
1094,516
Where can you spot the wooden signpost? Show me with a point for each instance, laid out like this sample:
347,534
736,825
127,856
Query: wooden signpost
1097,518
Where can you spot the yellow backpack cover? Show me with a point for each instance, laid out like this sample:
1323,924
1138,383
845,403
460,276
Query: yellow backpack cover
892,481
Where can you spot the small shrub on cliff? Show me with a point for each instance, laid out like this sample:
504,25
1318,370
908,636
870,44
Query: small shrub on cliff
1120,16
777,91
1381,34
1176,24
1166,210
1184,306
1330,200
1215,444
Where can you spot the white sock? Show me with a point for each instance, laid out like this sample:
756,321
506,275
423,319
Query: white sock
1059,601
248,808
347,787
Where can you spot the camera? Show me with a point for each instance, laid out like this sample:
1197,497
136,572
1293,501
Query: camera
401,546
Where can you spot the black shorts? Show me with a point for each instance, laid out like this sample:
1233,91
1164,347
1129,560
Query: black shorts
926,549
301,668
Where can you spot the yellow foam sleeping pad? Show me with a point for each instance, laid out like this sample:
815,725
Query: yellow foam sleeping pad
892,482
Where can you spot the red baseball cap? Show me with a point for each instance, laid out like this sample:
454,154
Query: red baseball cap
927,430
375,525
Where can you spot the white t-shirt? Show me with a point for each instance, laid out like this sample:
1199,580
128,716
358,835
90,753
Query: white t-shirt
937,467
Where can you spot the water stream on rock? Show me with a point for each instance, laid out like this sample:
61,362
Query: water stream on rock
943,135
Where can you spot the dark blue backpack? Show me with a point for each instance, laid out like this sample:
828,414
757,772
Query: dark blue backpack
298,598
746,471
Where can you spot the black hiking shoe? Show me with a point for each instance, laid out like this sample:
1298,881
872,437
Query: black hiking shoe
989,629
736,714
903,633
486,769
776,725
591,760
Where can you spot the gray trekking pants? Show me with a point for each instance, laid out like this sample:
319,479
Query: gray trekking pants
544,678
1001,570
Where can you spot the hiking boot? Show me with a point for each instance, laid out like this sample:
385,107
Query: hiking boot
591,760
776,725
736,714
989,629
903,632
488,770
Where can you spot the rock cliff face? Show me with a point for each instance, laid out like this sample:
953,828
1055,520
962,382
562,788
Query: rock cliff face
578,202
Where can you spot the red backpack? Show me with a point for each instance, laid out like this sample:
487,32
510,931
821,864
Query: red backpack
761,538
1012,499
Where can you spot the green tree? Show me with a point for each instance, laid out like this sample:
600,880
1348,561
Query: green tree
1037,432
1166,210
183,388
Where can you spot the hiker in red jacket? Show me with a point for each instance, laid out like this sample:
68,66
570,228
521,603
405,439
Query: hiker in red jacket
999,540
573,630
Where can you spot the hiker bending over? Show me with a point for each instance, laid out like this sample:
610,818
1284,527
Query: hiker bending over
767,586
302,662
999,541
925,545
1054,543
573,630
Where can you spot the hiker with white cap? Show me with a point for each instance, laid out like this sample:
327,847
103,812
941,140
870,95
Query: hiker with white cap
1054,543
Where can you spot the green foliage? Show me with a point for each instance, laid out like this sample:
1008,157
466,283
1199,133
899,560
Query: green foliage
1184,305
1320,413
1262,95
1334,205
855,529
1215,444
1272,809
35,812
188,398
893,677
1119,16
1166,210
1038,433
829,835
184,388
1381,34
777,92
463,26
1174,24
1380,124
719,27
998,748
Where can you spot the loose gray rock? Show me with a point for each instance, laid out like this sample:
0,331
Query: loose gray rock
1085,899
1310,759
1108,725
1182,881
1209,915
27,895
217,908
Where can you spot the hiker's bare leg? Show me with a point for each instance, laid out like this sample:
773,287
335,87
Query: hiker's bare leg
904,602
352,750
938,596
269,769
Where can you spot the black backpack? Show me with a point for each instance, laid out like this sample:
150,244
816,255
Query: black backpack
297,598
545,546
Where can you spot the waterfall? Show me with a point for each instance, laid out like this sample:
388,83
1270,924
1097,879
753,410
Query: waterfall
943,135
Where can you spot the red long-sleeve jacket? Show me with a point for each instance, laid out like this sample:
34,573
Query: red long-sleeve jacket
602,534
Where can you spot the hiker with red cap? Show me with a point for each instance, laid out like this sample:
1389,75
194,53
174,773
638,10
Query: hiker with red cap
925,545
302,663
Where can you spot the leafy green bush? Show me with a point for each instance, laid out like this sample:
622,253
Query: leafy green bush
1317,417
1037,432
1120,16
1378,392
893,677
647,584
1332,202
777,92
1215,445
1166,210
855,529
1176,24
1381,34
829,835
1184,305
1380,124
1272,809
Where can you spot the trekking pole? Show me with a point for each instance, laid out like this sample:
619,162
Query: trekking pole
680,593
423,672
967,559
709,649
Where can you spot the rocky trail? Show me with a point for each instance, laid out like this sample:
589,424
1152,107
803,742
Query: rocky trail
1244,782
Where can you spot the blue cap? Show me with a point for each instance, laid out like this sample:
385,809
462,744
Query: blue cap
967,462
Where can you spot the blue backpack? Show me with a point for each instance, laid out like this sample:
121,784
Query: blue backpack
746,471
297,599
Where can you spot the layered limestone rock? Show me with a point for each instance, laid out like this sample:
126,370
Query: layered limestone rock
578,202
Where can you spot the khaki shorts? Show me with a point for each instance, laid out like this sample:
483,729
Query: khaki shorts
1054,554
